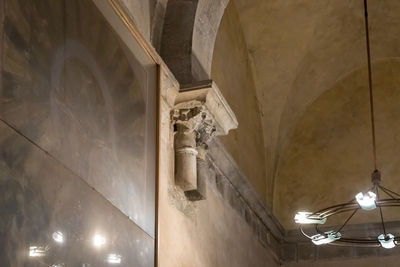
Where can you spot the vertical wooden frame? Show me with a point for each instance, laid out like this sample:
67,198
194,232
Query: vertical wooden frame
117,16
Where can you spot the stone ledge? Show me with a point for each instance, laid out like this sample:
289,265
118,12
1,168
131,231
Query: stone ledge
233,186
223,161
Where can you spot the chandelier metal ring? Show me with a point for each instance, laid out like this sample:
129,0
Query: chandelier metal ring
348,207
366,201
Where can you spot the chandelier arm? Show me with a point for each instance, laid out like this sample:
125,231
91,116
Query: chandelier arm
341,211
348,219
389,190
388,202
334,207
318,230
361,242
387,193
380,211
346,240
302,231
355,242
338,208
322,211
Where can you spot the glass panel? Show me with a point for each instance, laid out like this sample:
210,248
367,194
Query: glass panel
72,87
51,217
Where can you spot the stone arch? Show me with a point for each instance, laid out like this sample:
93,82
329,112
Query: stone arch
187,41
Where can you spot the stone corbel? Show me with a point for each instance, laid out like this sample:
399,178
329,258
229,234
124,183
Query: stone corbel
200,113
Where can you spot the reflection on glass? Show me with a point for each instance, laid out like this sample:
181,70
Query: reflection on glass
58,237
114,258
58,265
35,251
99,240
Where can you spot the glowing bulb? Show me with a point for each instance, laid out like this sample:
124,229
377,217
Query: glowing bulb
304,217
387,241
328,237
35,251
366,201
99,240
114,258
58,237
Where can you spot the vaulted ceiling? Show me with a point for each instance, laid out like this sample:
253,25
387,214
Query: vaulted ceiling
308,61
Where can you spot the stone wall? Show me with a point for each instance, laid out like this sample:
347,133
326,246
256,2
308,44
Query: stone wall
222,230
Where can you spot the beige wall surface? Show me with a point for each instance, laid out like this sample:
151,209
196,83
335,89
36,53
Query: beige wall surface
231,71
200,234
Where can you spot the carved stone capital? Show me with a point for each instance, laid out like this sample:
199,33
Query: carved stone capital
200,113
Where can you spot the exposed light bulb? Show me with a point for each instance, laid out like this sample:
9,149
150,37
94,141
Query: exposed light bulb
114,258
328,237
304,217
366,201
387,241
99,240
58,237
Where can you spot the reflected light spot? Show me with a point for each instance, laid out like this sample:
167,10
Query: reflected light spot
35,251
99,240
114,258
58,237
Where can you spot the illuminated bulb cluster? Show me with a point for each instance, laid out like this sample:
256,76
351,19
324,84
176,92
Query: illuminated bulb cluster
326,238
366,201
387,241
304,217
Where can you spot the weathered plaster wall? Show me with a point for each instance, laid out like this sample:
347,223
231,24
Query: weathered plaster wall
204,233
231,71
332,142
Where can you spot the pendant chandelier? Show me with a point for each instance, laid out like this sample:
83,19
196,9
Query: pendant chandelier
369,200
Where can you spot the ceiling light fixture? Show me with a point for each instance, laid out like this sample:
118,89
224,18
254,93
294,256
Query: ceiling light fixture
364,200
